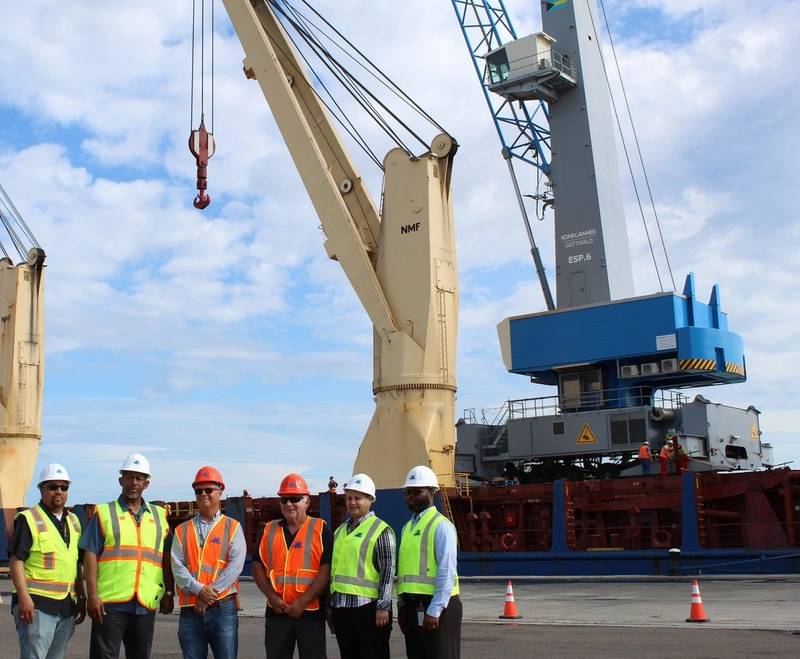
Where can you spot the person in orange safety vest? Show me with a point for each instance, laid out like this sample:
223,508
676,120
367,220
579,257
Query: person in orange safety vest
665,457
645,458
292,568
208,555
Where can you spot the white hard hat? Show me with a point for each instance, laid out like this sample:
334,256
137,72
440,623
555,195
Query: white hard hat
421,476
361,483
53,472
136,462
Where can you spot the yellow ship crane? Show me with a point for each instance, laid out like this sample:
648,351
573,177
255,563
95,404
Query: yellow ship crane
21,355
401,262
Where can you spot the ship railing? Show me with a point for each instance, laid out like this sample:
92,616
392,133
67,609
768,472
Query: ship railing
526,408
462,481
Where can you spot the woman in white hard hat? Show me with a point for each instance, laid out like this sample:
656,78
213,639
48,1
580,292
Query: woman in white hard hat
361,576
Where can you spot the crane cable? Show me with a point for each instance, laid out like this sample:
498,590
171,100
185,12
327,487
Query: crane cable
636,140
369,102
201,141
624,146
357,90
10,216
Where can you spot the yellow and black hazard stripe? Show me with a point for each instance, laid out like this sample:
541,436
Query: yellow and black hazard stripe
698,364
731,367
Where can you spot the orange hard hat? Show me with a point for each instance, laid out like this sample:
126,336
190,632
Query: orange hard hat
209,475
293,484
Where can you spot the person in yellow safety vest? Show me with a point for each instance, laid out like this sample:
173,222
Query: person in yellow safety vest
127,567
362,571
208,553
48,599
428,606
645,458
665,457
292,567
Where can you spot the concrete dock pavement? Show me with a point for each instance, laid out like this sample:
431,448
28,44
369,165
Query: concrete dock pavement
755,603
623,618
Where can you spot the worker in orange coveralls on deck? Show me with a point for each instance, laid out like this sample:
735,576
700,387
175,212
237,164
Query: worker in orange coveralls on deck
665,457
681,458
292,567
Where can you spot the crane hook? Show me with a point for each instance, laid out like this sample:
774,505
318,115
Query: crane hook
201,146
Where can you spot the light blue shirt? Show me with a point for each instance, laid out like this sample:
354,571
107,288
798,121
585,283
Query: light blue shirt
445,548
236,555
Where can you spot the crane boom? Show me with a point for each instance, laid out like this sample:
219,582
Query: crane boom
348,216
21,374
401,264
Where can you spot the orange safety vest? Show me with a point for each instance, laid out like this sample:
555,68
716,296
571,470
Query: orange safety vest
292,570
644,453
206,562
666,453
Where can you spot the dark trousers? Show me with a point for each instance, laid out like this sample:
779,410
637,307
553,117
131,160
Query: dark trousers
357,635
441,643
135,632
282,633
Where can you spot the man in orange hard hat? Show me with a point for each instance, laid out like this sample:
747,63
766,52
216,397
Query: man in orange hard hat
292,567
208,553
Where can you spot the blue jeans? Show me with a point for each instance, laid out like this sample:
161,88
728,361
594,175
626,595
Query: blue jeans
46,637
645,467
219,628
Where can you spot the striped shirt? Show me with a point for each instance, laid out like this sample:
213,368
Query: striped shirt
384,561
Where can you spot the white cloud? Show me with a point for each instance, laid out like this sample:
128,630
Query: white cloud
242,295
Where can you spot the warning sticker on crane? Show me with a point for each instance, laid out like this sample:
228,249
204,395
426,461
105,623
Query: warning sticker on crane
586,435
754,433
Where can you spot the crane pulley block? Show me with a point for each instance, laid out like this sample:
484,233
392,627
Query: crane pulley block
201,146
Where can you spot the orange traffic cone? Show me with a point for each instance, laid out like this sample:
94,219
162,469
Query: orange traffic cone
697,612
510,609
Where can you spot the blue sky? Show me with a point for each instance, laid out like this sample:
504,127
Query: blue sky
227,337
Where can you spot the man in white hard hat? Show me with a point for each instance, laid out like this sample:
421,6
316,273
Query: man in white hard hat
428,606
48,599
645,458
127,567
362,571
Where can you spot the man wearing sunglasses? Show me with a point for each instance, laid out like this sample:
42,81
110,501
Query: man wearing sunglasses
48,599
208,555
127,567
292,567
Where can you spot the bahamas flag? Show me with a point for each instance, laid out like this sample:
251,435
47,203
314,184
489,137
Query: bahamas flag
552,5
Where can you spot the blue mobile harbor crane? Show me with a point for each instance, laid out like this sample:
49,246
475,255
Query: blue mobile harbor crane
615,358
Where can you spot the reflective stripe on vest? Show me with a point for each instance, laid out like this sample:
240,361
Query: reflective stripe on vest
352,568
130,565
291,571
416,564
206,562
52,566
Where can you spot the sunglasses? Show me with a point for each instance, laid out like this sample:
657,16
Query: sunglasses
205,490
55,488
285,500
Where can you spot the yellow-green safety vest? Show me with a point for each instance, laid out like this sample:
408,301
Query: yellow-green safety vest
52,566
416,558
130,564
352,569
